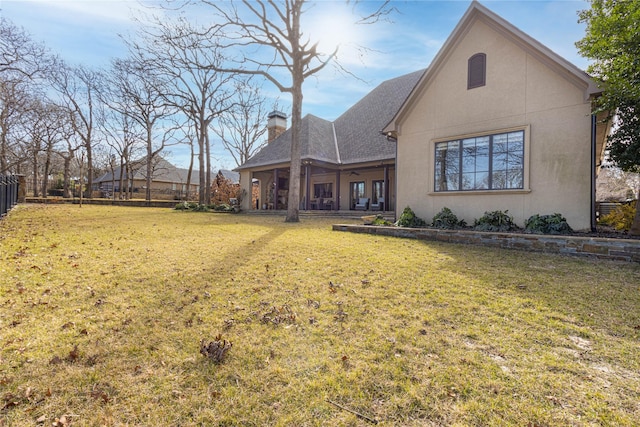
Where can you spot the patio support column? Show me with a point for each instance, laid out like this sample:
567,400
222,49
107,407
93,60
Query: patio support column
337,204
307,178
386,187
275,189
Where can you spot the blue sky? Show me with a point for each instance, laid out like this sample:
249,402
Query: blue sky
87,32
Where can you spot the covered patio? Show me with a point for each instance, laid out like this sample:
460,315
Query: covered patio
325,187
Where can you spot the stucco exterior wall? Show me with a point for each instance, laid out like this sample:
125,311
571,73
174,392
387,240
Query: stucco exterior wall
523,90
246,185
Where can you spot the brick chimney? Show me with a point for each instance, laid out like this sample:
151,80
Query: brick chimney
276,124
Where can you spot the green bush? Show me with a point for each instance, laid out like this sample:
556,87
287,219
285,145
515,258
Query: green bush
621,218
380,221
191,206
222,207
409,219
495,221
183,206
547,224
447,219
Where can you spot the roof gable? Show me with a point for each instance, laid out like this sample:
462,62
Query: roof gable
477,12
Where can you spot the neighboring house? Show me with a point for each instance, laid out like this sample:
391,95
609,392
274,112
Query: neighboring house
167,181
497,122
343,161
232,176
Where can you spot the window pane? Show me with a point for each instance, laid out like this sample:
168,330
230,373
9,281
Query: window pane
482,181
452,182
514,178
468,181
499,162
447,166
499,180
500,143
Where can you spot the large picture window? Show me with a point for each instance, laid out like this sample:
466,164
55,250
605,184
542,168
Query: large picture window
490,162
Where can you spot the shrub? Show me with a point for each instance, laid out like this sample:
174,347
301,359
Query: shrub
547,224
222,207
380,221
447,219
621,218
184,206
200,208
495,221
409,219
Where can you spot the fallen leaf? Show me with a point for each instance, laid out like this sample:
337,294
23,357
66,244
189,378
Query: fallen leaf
55,361
73,354
68,325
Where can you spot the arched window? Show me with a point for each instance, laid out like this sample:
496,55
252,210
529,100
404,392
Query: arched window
477,71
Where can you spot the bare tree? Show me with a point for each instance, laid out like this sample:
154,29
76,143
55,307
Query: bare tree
123,135
242,128
20,56
53,131
14,106
77,88
141,98
186,65
276,27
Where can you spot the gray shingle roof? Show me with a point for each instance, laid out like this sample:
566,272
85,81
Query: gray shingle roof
316,143
163,172
357,131
232,176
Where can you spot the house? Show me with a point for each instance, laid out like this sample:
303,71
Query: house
499,122
167,182
343,161
496,122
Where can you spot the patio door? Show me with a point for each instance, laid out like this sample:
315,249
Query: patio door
355,193
378,191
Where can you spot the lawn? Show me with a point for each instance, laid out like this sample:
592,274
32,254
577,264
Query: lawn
103,309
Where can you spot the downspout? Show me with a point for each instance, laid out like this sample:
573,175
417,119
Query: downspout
593,171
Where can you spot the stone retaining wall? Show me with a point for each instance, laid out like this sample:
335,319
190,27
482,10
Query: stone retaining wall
601,248
106,202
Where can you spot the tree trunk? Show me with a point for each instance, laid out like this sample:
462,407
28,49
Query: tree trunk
36,188
207,194
186,197
149,164
47,167
201,181
293,202
66,191
297,79
121,177
89,168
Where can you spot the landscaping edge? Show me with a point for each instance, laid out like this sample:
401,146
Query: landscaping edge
590,247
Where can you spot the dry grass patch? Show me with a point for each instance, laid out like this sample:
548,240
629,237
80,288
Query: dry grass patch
103,311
